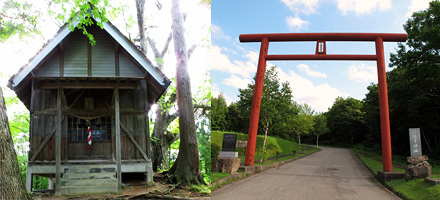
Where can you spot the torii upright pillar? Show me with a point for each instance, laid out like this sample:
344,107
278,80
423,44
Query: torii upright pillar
321,54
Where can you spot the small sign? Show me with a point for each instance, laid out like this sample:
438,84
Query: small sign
229,141
242,144
414,142
321,47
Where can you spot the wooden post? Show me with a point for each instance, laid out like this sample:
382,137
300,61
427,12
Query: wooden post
256,103
384,110
144,88
58,144
89,59
118,140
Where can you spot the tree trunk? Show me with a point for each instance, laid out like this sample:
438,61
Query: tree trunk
186,169
162,139
264,141
11,183
140,8
317,138
428,144
299,142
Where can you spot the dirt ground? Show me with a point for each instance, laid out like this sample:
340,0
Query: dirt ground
136,189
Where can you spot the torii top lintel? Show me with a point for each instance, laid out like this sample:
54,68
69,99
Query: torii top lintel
286,37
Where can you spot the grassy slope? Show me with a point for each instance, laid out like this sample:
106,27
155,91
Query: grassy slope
415,189
273,145
217,176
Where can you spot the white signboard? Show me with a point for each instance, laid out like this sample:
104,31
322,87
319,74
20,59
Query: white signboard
414,142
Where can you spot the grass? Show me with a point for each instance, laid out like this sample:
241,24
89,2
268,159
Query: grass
217,176
415,189
274,146
376,165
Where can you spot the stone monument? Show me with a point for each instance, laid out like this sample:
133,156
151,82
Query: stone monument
228,161
418,165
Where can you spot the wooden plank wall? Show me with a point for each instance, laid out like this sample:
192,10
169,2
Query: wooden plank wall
132,116
43,125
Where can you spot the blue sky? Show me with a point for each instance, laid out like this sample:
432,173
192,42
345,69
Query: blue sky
316,83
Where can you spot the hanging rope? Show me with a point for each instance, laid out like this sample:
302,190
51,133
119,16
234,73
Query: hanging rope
89,117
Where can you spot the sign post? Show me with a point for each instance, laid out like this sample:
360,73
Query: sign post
415,144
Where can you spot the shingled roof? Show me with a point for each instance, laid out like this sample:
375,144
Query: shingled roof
21,81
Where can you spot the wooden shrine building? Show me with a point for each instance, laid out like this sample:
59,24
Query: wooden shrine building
70,85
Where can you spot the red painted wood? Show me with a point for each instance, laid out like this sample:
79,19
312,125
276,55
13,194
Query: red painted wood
384,110
256,103
321,57
285,37
379,38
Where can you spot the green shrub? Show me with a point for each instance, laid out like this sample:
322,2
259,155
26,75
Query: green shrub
215,150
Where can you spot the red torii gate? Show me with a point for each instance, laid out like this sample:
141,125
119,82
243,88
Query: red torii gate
321,54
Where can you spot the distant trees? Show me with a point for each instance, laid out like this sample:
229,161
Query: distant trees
345,120
219,113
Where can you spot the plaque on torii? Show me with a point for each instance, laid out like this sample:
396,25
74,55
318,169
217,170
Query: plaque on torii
321,54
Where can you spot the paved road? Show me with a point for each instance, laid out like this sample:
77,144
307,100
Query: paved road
328,174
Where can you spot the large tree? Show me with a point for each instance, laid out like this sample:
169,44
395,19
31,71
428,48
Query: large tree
186,169
275,103
303,122
414,82
12,186
17,17
319,126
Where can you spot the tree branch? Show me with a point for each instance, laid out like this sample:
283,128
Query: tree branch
167,43
153,46
191,50
196,106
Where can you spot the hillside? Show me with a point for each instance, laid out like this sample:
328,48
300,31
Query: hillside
274,145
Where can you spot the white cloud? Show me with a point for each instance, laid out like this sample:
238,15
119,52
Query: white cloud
295,23
253,56
305,68
319,97
363,73
363,6
222,63
305,6
417,5
237,82
215,90
218,33
215,93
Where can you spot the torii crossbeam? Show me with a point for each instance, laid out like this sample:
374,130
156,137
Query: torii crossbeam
321,54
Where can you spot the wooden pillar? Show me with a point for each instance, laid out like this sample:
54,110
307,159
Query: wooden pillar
118,140
58,144
384,110
31,119
256,103
144,91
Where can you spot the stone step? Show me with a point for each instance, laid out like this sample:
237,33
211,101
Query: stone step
87,190
90,182
78,176
91,169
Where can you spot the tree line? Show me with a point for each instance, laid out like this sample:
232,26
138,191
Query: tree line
280,115
413,92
